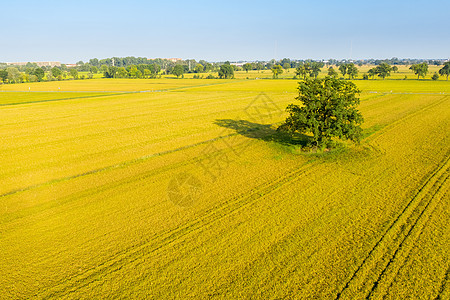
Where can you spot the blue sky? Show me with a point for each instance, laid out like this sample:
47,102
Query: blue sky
69,31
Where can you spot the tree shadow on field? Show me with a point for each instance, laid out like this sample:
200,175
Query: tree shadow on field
264,132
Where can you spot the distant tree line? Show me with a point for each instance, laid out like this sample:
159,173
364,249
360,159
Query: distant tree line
141,67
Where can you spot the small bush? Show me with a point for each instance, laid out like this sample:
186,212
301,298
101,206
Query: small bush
435,76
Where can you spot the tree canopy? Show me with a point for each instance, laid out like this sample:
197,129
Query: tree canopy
247,67
178,70
445,70
39,73
349,69
226,71
74,73
276,70
56,72
310,68
199,68
383,70
352,71
327,109
420,70
332,72
4,75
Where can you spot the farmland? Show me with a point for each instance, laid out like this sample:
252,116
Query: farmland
166,188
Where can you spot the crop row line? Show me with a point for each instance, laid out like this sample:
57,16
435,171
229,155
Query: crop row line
403,225
402,252
445,281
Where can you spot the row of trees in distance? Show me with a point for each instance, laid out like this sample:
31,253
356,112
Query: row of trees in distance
145,68
383,70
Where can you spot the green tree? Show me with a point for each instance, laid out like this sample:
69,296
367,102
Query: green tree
445,70
56,71
314,68
93,69
247,67
327,109
259,66
139,74
352,71
395,69
74,73
208,67
301,71
383,70
111,72
420,69
122,72
178,70
226,71
50,76
154,70
332,72
4,75
372,72
133,71
199,68
13,75
276,70
435,76
343,69
39,73
286,65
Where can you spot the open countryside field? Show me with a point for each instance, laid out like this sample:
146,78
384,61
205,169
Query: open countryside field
166,188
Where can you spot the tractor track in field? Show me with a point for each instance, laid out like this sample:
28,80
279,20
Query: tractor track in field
401,254
396,268
444,283
210,216
397,236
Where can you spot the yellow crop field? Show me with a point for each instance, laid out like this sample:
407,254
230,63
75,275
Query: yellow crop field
102,85
183,189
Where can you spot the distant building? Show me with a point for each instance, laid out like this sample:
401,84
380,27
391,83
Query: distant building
174,59
238,64
71,65
38,63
